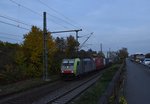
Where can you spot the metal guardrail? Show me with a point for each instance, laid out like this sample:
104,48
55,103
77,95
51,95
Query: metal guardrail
113,88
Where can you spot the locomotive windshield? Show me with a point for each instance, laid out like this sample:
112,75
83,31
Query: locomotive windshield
67,64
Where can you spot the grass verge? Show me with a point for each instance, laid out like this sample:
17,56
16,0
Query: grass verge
93,94
23,86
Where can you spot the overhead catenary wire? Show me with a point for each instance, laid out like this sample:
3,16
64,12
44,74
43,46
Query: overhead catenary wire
25,7
81,36
62,20
86,40
10,38
59,14
8,34
15,20
57,23
68,19
18,21
54,10
18,4
14,25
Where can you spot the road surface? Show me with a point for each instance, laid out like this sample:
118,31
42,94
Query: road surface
137,84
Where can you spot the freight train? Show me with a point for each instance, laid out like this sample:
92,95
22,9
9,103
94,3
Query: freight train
76,67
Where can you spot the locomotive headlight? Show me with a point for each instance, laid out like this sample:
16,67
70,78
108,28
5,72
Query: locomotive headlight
62,71
71,71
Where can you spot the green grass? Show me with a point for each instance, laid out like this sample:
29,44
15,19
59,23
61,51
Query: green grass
24,85
93,94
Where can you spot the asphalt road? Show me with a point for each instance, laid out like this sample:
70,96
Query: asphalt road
137,84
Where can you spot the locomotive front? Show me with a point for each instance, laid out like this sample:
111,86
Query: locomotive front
68,68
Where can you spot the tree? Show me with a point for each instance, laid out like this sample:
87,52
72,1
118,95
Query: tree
72,45
8,66
61,44
59,54
33,51
91,52
123,53
147,55
83,54
101,54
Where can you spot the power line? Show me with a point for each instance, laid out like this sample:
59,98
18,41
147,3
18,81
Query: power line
8,34
14,25
62,20
18,4
57,23
82,36
54,10
18,21
15,20
86,40
62,15
10,38
58,13
25,7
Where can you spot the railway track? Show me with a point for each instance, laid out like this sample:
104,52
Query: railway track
65,95
31,95
72,94
56,92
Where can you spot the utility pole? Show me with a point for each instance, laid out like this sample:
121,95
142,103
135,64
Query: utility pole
109,52
77,38
45,51
77,35
101,47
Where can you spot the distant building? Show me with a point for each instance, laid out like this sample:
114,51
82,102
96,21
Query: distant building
137,57
113,56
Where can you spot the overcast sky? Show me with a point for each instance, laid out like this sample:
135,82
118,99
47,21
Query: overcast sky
115,23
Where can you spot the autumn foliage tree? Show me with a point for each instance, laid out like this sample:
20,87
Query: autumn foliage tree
8,68
123,53
71,47
32,52
24,61
66,48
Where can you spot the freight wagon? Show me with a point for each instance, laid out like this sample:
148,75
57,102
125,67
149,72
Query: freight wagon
99,63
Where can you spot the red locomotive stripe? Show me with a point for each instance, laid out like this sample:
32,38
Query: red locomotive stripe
67,71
